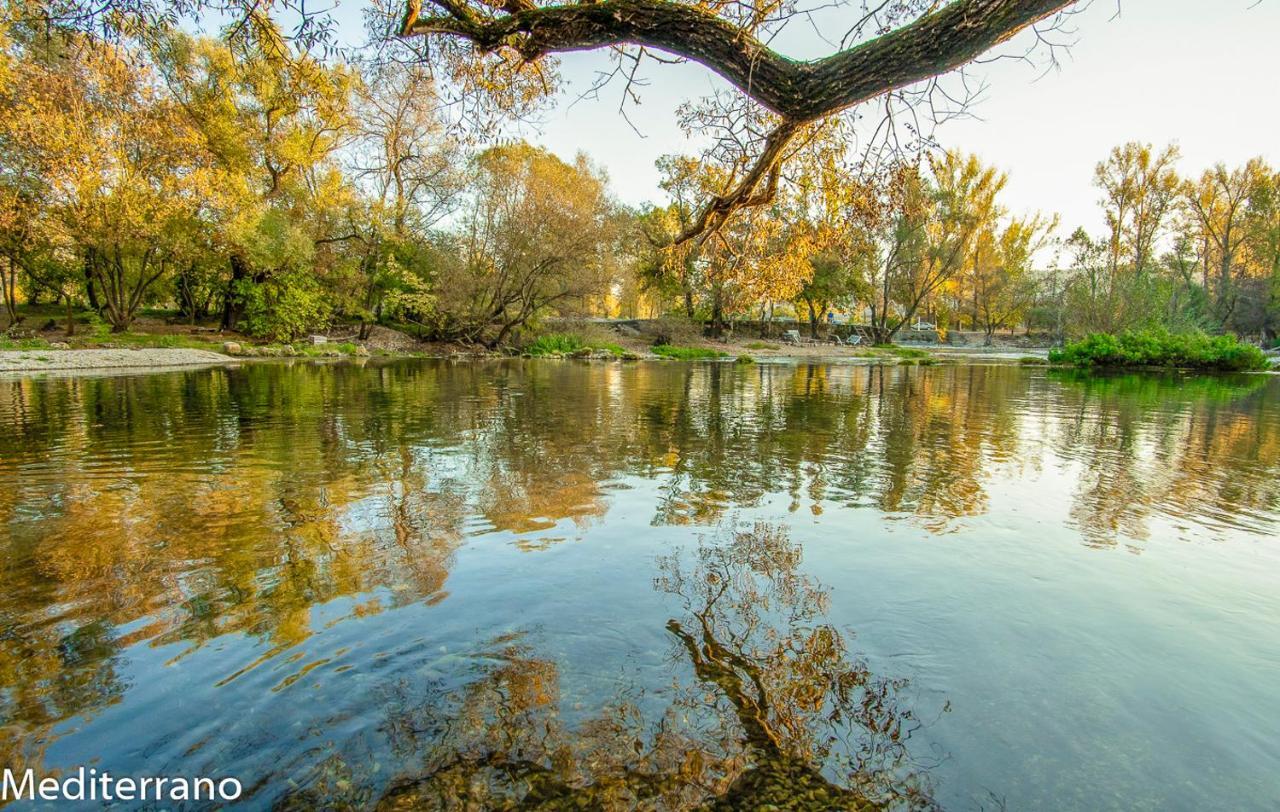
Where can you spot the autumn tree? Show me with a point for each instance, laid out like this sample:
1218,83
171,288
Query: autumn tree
1115,283
272,120
124,175
1004,281
1219,203
408,171
535,234
924,225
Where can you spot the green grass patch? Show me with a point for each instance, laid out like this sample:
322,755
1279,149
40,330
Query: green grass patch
153,341
1033,361
762,345
744,359
23,343
902,352
557,344
687,353
1158,348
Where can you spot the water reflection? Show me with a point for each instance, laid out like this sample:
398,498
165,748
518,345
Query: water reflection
225,508
769,708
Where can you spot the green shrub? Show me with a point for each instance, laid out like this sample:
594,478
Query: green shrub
744,359
284,306
1032,360
687,353
1157,348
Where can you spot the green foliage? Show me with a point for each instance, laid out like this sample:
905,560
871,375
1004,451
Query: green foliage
285,306
762,345
687,353
22,343
903,352
1157,348
1032,360
555,344
744,360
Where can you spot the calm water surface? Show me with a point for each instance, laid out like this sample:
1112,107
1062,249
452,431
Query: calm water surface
664,585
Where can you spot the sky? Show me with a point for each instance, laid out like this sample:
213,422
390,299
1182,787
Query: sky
1199,73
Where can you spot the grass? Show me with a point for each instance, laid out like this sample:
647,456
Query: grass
744,359
560,344
153,341
902,352
1033,361
1158,348
687,353
23,343
762,345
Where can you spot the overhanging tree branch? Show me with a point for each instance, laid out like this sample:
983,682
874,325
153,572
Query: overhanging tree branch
800,92
797,90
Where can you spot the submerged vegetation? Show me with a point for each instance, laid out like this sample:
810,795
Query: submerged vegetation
1157,348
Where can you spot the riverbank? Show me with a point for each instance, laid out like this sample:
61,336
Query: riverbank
42,360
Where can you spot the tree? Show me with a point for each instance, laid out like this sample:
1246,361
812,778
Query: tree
272,120
1139,190
535,234
1004,280
925,228
1219,202
1262,222
833,282
1115,282
124,175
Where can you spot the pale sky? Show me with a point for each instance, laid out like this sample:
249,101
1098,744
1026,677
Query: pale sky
1201,73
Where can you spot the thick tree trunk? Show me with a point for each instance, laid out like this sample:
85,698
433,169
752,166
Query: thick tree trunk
90,258
71,316
232,306
9,282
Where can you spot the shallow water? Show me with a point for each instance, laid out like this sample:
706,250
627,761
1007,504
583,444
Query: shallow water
649,584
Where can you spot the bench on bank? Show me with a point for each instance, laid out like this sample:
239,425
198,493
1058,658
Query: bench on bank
794,337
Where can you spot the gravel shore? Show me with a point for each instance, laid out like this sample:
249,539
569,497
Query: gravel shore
22,361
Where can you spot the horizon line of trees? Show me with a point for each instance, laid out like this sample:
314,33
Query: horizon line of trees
245,183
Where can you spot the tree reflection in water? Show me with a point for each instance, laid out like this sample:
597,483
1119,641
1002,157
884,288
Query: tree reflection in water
770,710
231,510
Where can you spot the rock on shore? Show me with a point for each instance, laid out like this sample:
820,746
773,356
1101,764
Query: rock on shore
40,360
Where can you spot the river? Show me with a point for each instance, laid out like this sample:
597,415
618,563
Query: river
655,584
